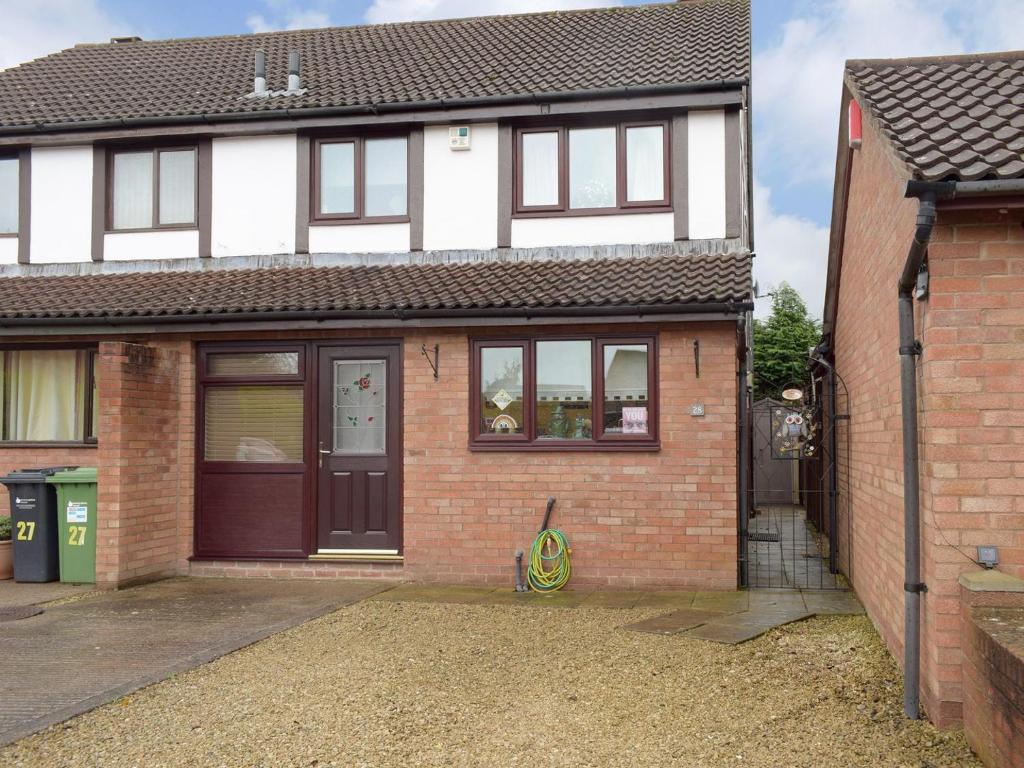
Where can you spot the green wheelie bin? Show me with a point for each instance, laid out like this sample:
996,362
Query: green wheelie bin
76,524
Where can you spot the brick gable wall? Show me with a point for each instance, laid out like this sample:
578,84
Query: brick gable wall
970,398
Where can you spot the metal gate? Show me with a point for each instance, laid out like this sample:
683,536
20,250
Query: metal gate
797,502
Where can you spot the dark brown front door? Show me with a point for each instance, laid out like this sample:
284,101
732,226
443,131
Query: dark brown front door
359,459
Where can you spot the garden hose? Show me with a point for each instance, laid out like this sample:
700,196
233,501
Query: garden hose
550,548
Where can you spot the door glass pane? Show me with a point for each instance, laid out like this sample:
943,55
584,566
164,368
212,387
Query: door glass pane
178,187
254,423
8,195
592,168
626,402
360,403
386,171
501,391
645,163
540,168
564,396
252,364
337,178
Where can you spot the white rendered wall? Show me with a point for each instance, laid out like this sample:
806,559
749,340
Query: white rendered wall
8,250
133,246
706,164
460,190
253,196
613,229
359,238
61,205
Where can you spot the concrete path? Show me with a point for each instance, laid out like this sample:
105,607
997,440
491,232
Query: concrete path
78,655
15,594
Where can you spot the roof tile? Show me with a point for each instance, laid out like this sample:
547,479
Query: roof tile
666,44
484,285
953,117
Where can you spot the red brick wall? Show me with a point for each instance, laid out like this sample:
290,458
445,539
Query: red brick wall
664,518
658,519
972,386
879,229
971,392
142,499
993,676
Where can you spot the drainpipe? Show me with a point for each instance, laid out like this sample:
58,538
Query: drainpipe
910,349
927,193
743,457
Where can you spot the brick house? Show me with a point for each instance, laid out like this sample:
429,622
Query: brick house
356,301
927,245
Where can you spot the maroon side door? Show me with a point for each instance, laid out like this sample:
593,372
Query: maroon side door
359,451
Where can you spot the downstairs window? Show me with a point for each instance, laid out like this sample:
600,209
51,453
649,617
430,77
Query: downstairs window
564,393
49,396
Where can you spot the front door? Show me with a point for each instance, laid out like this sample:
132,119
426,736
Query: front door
359,458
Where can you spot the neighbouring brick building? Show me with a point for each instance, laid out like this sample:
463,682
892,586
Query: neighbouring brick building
335,303
930,149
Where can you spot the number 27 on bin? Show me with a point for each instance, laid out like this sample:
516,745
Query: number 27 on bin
26,528
76,535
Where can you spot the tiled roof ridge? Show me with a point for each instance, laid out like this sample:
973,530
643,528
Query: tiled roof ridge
955,58
409,23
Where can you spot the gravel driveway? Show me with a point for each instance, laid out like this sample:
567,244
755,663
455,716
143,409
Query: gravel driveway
413,684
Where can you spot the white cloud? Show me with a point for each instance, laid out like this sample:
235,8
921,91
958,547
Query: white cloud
797,86
286,16
790,249
41,27
414,10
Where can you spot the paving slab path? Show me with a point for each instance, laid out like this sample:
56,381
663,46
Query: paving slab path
78,655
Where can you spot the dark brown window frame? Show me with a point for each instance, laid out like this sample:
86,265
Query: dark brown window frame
88,440
622,205
528,441
155,152
358,141
17,191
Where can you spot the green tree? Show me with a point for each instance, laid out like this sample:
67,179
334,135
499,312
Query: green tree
781,344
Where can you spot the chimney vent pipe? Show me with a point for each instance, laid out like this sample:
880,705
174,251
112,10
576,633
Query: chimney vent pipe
294,71
260,83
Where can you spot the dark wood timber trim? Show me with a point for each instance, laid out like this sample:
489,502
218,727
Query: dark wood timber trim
303,158
357,215
204,195
733,175
622,204
681,176
506,184
99,200
415,181
361,118
24,205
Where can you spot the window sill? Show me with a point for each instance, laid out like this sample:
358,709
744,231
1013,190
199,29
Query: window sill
591,212
569,447
175,228
346,222
46,444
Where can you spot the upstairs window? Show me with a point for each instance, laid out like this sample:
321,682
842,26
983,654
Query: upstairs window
564,393
153,189
592,169
9,195
361,179
48,395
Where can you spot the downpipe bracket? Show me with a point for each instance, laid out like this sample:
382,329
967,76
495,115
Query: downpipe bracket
915,588
913,350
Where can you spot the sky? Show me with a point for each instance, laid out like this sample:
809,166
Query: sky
799,50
